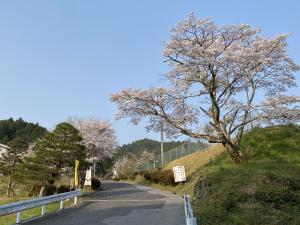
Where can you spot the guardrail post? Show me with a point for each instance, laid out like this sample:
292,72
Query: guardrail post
61,205
189,216
43,210
75,201
18,219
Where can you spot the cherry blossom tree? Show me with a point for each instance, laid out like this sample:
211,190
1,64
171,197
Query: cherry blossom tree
125,167
98,137
221,80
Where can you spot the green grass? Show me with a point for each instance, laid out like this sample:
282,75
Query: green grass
22,192
264,191
31,213
35,212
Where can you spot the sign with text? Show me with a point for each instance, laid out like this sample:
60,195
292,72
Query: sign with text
179,174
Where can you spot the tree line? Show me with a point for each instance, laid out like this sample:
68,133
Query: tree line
29,132
52,155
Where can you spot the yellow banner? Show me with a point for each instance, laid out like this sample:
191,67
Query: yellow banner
76,173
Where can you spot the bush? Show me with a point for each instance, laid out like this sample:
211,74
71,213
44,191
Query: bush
63,189
167,177
50,189
35,190
116,179
96,183
164,177
155,176
147,176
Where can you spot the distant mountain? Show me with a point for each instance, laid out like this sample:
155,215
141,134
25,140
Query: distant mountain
10,129
138,147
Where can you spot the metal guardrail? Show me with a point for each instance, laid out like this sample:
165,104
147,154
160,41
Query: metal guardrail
18,207
189,216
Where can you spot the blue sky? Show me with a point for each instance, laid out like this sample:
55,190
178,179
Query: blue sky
61,58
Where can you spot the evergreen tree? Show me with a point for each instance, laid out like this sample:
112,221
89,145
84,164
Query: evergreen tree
10,129
54,155
10,161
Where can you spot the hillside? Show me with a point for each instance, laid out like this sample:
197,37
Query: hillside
152,146
10,129
265,191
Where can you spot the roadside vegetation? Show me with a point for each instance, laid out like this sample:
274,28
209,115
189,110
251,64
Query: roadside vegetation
31,213
191,162
37,162
263,191
222,82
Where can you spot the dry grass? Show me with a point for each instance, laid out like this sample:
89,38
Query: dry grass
194,161
193,166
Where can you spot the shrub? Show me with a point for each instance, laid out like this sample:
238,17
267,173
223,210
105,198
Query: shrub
63,189
167,177
147,176
50,189
35,190
155,176
116,179
96,183
164,177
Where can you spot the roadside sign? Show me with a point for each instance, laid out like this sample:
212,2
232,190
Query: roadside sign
88,177
115,174
179,174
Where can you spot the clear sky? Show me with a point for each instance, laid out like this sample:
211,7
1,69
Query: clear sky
61,58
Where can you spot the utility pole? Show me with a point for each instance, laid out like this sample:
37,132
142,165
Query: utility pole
94,169
162,144
162,136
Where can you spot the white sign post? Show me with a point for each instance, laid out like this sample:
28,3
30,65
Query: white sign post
88,177
179,174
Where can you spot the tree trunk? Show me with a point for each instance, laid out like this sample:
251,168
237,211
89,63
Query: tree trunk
9,187
42,191
235,153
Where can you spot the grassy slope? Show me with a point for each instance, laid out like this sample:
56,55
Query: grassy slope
265,191
192,164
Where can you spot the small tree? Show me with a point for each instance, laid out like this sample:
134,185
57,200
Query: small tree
11,160
98,136
223,77
54,154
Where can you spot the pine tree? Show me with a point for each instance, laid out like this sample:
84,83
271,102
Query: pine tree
54,155
11,160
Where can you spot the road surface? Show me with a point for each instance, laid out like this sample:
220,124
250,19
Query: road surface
121,204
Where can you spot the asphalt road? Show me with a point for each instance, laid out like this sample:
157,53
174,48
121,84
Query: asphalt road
121,204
